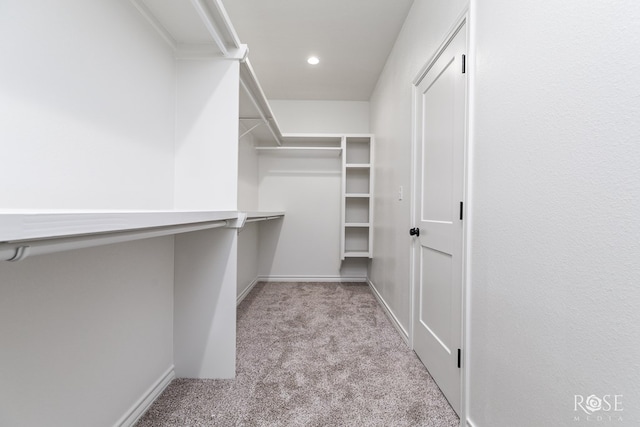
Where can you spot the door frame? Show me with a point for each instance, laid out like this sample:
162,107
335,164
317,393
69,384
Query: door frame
463,19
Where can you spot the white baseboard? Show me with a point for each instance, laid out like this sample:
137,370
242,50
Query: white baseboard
311,279
141,406
392,317
244,293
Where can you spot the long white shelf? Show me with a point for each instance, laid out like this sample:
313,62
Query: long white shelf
34,225
24,233
255,111
247,217
305,151
262,216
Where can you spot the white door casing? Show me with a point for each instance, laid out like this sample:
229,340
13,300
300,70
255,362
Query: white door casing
440,120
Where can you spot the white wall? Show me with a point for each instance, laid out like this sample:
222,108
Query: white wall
391,123
87,100
71,327
556,195
248,256
247,174
207,121
321,116
306,244
205,304
87,106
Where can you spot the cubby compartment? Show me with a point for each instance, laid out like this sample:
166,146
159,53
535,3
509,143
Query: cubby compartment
356,241
357,180
356,210
358,150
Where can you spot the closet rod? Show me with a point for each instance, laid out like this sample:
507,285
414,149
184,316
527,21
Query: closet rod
17,251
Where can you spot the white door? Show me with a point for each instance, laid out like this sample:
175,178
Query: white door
439,182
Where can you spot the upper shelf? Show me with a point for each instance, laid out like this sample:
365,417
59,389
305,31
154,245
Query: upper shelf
256,115
202,28
193,28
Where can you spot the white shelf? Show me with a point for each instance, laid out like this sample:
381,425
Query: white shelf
357,255
357,195
358,165
255,112
357,224
313,140
34,225
264,215
24,233
301,151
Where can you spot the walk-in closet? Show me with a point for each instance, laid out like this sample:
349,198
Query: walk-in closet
341,212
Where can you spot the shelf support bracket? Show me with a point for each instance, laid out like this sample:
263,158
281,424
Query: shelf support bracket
250,130
237,223
21,253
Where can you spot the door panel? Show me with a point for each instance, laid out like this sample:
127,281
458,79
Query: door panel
436,299
437,182
440,119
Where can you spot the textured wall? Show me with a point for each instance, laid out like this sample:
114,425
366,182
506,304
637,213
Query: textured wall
556,195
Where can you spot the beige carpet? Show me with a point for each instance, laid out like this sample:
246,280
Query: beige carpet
311,354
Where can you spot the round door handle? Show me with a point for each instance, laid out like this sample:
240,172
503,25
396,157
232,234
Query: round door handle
414,232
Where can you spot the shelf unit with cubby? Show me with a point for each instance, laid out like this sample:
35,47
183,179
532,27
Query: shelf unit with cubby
356,231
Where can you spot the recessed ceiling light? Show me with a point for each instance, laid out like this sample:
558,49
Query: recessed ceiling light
313,60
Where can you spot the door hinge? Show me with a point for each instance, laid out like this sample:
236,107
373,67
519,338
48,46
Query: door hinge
461,210
459,357
464,64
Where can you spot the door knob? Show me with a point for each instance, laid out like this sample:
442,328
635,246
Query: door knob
414,232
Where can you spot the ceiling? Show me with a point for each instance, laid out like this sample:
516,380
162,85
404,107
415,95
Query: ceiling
352,38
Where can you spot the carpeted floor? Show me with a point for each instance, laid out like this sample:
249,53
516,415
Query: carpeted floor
311,354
